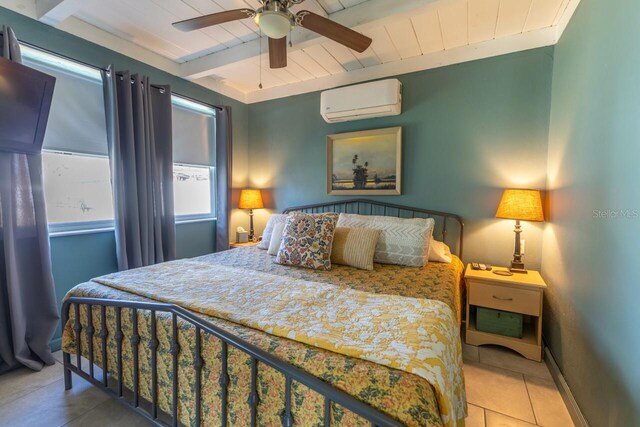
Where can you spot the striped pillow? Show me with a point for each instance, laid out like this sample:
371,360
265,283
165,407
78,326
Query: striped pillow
354,247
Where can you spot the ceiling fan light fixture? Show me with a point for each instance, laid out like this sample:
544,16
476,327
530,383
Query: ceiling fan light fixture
274,24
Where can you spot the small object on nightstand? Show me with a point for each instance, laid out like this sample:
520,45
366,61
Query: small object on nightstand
242,235
508,299
503,272
478,266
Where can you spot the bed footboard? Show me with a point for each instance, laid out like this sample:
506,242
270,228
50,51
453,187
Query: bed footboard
132,399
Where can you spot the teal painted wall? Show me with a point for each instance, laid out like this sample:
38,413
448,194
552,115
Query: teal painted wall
79,258
469,131
590,260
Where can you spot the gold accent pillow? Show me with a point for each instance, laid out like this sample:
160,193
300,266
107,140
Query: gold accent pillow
355,247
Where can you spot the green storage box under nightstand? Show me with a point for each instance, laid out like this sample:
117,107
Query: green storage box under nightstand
499,322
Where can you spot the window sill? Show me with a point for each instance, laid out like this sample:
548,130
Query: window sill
81,232
66,233
194,220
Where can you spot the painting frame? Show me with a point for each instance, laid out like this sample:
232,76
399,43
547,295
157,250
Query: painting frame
342,138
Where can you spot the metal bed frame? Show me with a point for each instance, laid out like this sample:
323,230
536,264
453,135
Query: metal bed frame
257,356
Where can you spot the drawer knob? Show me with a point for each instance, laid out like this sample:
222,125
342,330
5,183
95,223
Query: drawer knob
502,299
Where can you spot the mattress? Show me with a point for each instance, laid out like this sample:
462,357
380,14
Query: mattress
404,396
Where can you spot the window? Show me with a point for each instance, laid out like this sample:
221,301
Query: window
75,162
192,190
77,181
194,157
77,188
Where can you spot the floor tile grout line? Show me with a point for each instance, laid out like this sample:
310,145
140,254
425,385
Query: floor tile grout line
530,401
510,370
507,415
30,392
88,410
61,381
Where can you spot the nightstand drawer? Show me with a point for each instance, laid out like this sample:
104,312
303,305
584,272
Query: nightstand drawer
505,298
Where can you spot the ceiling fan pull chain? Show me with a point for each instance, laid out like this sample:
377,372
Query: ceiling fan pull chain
260,60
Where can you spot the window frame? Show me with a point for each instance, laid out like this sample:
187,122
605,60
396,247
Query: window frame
202,108
211,216
80,227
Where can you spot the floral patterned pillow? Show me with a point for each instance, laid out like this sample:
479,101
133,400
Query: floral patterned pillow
307,240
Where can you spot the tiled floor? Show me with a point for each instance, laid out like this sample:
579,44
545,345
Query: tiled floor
507,390
503,390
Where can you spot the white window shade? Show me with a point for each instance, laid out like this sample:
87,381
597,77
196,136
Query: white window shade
77,119
193,134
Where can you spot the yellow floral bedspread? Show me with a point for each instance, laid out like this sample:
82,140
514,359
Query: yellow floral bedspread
439,281
407,397
415,335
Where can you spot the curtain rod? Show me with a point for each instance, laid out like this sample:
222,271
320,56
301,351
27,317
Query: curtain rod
162,88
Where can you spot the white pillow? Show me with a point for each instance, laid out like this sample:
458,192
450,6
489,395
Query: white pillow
403,241
276,238
439,251
266,235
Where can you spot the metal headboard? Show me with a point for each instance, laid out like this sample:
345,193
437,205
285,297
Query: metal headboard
444,220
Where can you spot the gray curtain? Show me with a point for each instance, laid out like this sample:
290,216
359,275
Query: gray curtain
28,308
223,176
140,154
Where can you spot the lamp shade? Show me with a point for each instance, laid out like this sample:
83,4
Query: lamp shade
250,199
523,205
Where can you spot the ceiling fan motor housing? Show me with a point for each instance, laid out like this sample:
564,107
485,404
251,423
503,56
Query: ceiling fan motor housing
274,19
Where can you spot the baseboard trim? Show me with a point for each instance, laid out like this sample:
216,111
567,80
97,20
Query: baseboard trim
572,406
56,344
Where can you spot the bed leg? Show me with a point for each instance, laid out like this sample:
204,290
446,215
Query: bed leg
66,358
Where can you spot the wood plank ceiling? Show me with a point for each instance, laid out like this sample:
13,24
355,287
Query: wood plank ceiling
407,35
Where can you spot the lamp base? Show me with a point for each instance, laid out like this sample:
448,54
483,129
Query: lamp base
517,267
251,235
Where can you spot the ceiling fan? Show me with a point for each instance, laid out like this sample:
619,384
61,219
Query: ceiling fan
275,20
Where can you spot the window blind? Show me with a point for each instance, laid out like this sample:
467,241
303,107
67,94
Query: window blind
193,133
76,121
77,118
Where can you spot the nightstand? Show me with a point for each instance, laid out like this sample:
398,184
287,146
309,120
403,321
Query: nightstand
520,293
241,245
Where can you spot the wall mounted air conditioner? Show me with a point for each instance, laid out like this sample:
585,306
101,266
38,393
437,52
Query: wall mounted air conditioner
364,101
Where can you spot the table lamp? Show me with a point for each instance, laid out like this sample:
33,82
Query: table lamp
250,199
521,205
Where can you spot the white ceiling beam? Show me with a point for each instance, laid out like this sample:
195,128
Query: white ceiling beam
53,12
360,17
502,46
103,38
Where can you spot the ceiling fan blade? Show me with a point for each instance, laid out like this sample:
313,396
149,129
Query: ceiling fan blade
333,30
278,52
214,19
